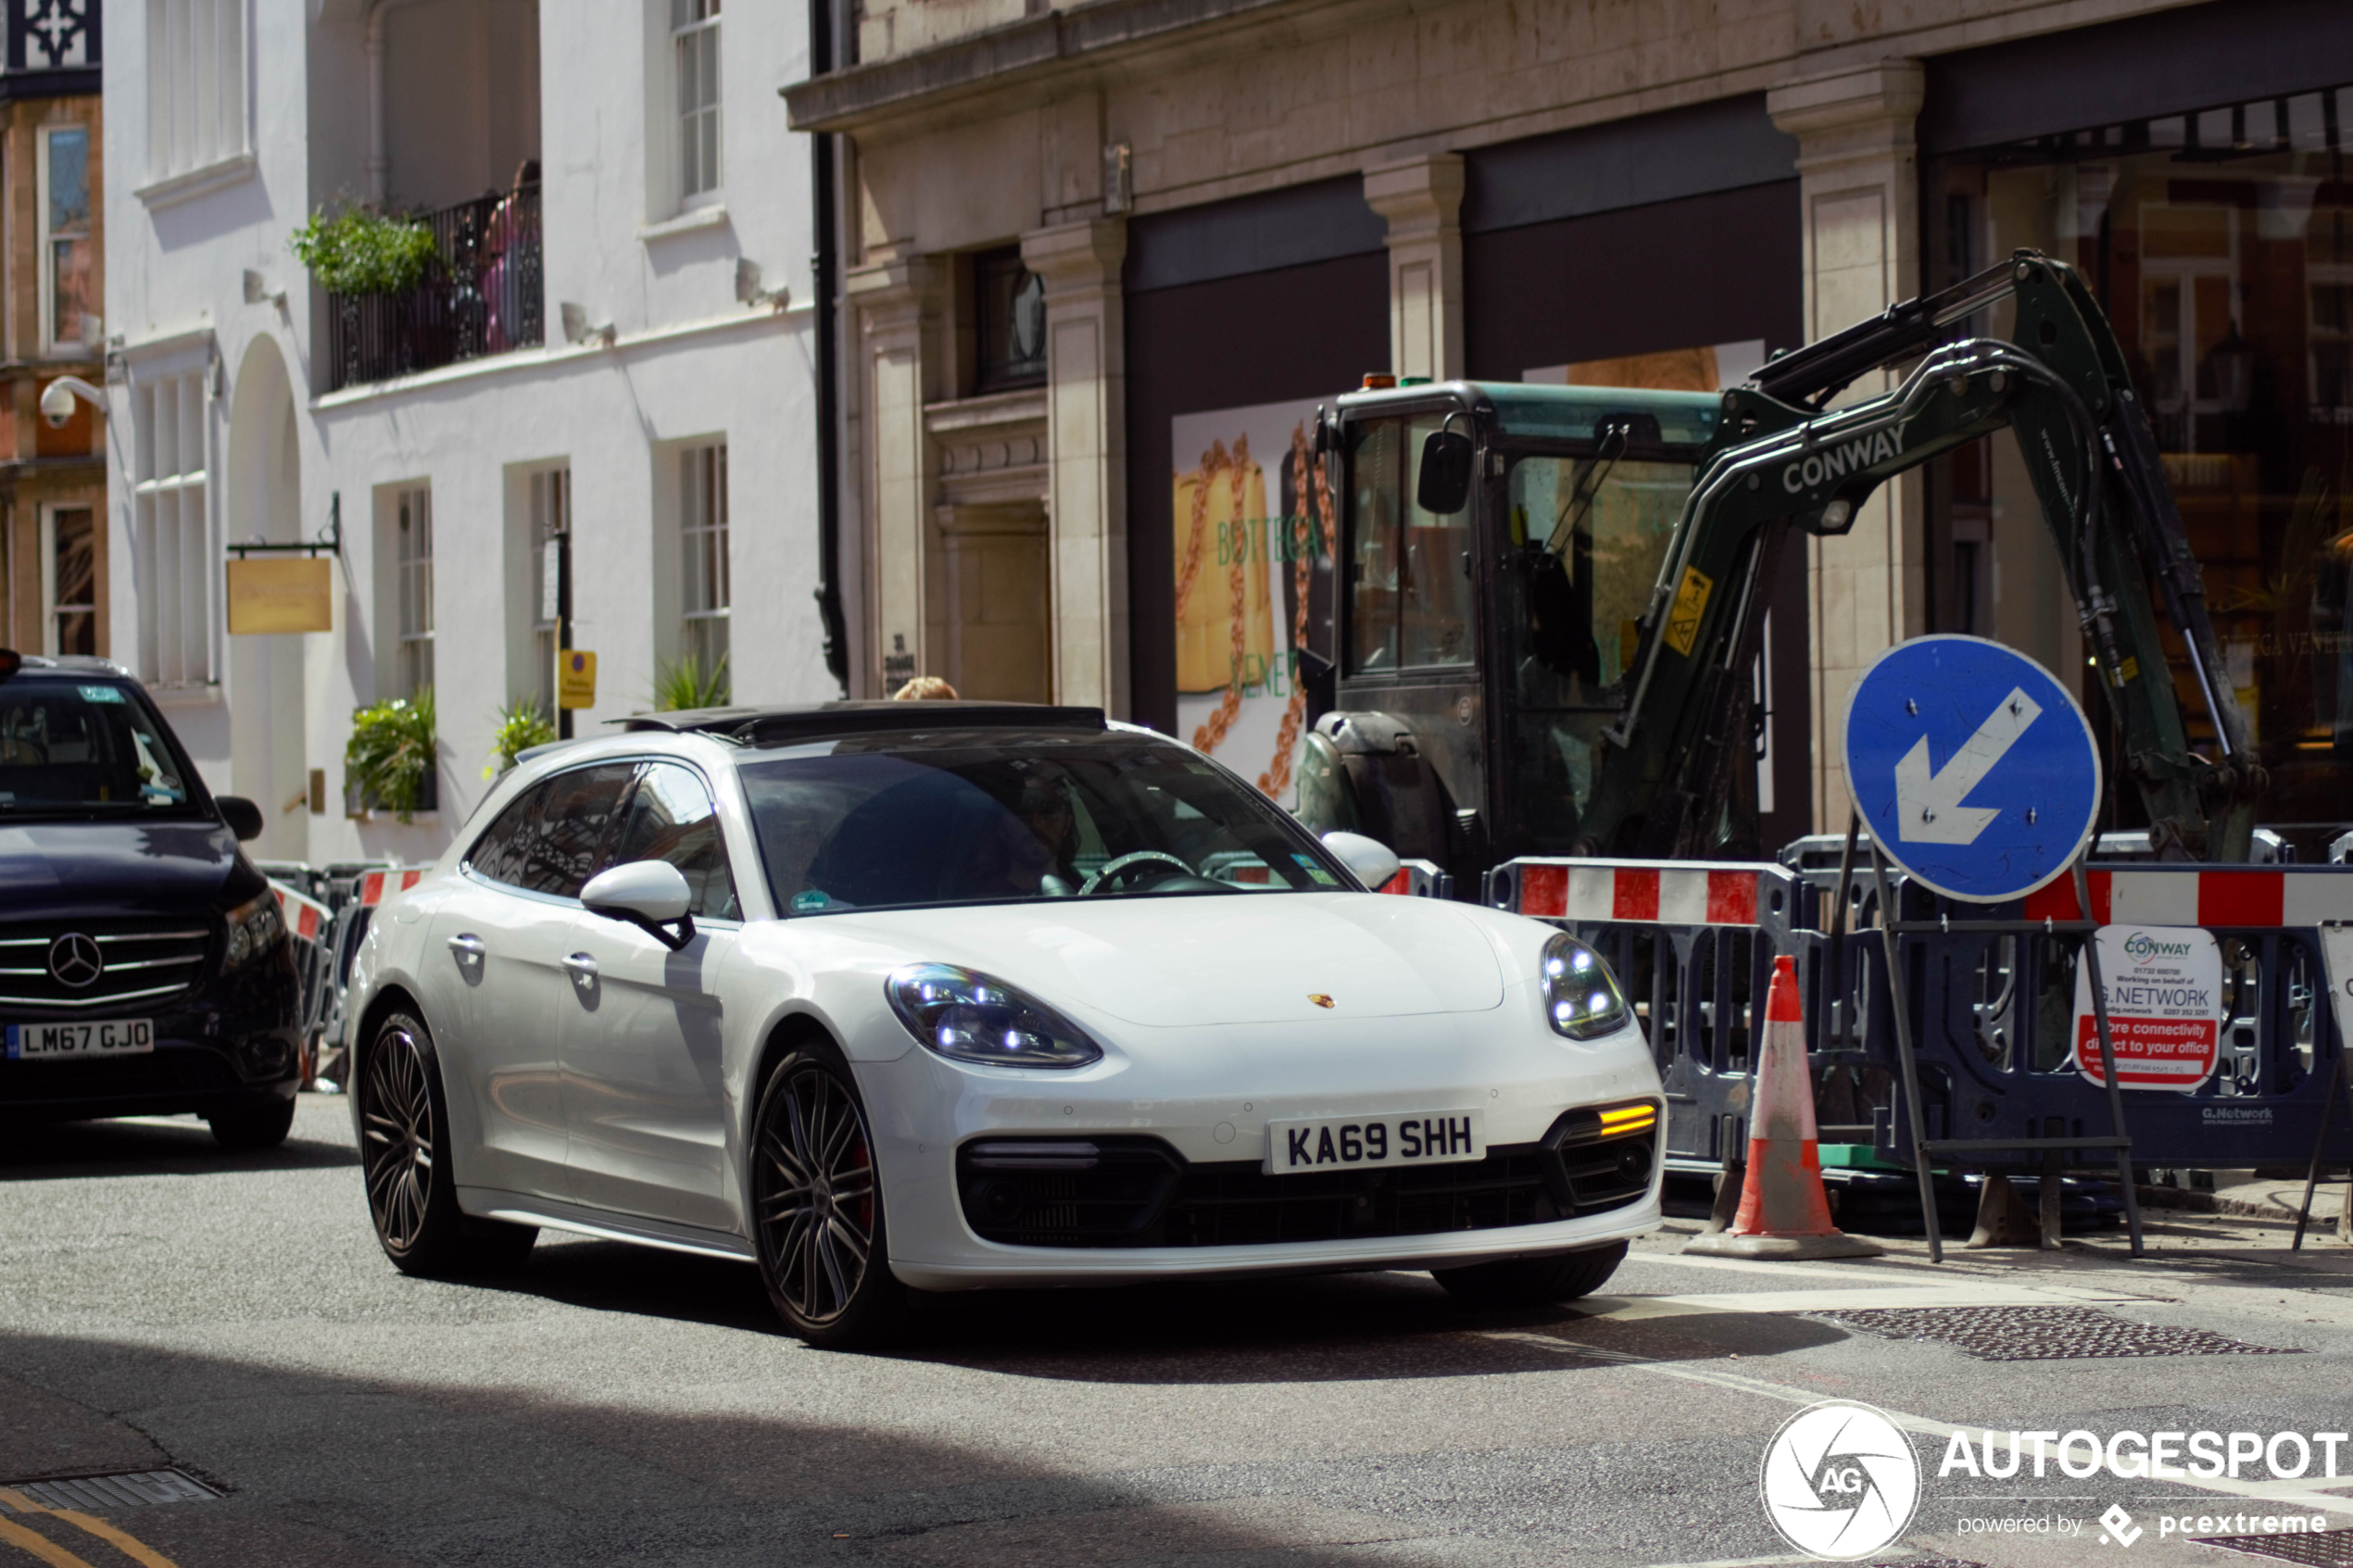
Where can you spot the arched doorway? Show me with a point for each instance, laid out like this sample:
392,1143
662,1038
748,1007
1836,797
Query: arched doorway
262,502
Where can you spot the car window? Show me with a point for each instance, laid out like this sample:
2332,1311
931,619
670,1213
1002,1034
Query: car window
548,841
84,749
670,817
961,818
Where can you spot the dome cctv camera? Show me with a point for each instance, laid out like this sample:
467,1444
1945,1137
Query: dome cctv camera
57,405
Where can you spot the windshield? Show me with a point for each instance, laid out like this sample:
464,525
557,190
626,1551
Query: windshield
75,749
983,816
1588,535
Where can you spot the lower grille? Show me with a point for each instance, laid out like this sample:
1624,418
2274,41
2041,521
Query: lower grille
167,1071
144,965
1131,1191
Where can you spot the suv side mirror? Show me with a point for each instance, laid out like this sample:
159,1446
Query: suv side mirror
651,895
1444,487
1368,860
242,816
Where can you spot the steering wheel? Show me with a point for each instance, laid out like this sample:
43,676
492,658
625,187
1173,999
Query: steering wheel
1132,859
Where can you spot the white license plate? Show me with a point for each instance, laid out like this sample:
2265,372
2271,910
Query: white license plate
1357,1143
113,1037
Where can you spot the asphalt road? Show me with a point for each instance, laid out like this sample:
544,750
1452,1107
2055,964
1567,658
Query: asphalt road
165,1303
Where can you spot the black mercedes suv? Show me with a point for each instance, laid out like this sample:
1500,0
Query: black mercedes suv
144,967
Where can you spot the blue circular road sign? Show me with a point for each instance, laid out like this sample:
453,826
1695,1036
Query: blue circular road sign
1973,768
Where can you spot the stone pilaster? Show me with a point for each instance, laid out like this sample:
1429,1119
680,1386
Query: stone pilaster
1859,184
1422,200
900,356
1087,458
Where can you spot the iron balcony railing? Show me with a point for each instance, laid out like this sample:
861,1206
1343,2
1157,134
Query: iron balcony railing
484,294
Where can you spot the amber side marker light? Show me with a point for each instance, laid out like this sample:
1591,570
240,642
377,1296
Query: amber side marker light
1623,1118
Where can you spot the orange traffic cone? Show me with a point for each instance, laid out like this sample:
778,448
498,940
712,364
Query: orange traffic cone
1784,1212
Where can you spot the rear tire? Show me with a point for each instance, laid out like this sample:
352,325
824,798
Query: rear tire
403,1152
254,1128
817,1208
1532,1282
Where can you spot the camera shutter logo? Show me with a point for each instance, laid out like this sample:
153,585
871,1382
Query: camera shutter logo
74,960
1840,1480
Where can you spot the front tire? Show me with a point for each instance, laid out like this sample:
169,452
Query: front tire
817,1210
1532,1282
404,1149
254,1128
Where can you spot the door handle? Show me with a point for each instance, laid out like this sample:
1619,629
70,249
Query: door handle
468,946
583,966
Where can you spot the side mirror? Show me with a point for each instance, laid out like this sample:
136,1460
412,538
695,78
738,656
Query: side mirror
1444,487
1368,860
651,895
243,816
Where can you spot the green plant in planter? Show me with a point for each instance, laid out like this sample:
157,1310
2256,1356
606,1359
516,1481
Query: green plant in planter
391,754
521,725
687,684
361,252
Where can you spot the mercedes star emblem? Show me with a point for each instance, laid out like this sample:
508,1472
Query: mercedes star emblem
75,961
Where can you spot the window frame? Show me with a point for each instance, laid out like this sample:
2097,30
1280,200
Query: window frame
172,522
610,850
51,642
55,340
686,123
705,597
548,512
198,122
414,646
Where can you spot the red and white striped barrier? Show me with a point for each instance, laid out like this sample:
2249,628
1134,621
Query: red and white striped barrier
305,917
375,887
1637,892
1414,879
2255,896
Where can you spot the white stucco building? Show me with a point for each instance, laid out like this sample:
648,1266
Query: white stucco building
624,348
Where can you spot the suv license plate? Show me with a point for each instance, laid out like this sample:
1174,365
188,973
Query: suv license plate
116,1037
1356,1143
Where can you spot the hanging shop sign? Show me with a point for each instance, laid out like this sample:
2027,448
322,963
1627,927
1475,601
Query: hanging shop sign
277,593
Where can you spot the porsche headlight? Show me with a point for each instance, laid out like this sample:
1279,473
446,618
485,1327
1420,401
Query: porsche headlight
969,1017
254,928
1581,998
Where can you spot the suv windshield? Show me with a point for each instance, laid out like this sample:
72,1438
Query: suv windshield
74,748
981,816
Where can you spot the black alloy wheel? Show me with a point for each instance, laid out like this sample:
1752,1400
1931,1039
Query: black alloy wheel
404,1153
397,1130
817,1205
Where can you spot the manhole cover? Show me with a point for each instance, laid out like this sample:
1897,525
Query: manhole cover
2321,1549
96,1493
2043,1334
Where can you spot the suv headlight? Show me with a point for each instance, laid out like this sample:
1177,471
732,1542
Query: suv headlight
254,928
1581,998
969,1017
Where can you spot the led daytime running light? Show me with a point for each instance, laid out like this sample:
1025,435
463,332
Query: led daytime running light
1581,998
966,1016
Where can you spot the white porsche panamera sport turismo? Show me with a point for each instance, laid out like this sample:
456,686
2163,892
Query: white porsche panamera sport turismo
894,997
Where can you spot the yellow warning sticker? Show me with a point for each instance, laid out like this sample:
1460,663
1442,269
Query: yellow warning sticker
1683,615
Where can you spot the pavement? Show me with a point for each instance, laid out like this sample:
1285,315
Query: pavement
166,1304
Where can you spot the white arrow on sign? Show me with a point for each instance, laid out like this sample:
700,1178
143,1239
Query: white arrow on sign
1928,806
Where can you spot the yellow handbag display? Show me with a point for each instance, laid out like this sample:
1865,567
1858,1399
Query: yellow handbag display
1225,615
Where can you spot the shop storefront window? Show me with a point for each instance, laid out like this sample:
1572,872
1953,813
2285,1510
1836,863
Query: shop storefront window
2219,242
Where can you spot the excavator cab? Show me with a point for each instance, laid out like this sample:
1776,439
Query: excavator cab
1498,548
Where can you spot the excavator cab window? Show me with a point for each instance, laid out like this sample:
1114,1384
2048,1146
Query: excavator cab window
1409,584
1585,536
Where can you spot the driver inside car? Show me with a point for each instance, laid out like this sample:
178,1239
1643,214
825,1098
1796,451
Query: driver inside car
1030,847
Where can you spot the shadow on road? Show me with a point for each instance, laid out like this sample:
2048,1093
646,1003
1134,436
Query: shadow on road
1317,1329
145,1146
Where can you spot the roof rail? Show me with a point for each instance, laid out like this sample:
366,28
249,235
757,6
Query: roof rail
778,726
